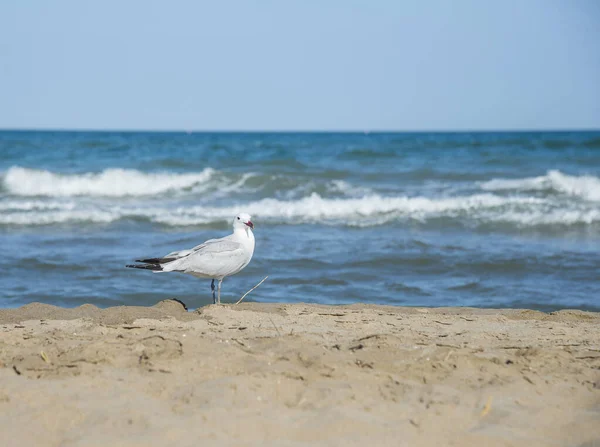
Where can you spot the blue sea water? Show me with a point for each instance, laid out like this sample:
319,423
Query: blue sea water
417,219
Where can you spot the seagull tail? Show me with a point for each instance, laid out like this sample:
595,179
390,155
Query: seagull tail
153,267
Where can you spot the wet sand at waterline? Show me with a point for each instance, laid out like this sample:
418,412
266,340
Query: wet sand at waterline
298,374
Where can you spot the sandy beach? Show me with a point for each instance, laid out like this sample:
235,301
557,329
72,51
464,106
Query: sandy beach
296,374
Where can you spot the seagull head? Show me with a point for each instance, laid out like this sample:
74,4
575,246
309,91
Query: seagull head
243,220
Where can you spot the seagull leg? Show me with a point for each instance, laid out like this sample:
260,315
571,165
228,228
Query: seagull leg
219,291
212,287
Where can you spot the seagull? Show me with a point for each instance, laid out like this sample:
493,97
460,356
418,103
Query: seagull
214,259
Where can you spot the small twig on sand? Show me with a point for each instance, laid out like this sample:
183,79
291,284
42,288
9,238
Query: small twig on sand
244,295
487,407
45,357
278,333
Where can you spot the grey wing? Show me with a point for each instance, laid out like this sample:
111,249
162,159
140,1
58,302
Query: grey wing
184,253
216,258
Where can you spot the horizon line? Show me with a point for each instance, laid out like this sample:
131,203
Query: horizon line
353,131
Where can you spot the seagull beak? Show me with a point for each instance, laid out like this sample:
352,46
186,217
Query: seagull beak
250,224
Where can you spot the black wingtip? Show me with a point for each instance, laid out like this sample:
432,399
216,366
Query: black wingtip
154,267
155,260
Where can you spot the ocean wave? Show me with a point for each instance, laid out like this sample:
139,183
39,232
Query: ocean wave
585,187
120,183
108,183
39,218
33,205
343,187
372,210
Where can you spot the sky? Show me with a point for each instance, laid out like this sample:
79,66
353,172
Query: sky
300,65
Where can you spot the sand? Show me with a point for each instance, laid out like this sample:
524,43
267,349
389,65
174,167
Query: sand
297,375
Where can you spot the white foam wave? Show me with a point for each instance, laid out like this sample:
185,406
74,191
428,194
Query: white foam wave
32,205
535,218
115,183
109,183
366,211
37,218
586,187
317,208
343,187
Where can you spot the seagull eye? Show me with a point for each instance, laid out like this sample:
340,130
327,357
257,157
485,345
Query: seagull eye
238,218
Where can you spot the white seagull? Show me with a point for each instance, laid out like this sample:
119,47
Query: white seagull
215,258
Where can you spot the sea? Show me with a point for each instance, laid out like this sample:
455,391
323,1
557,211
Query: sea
491,220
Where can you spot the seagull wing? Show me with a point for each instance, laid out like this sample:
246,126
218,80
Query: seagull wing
183,253
174,255
215,258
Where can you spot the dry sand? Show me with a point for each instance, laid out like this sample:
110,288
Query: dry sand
295,375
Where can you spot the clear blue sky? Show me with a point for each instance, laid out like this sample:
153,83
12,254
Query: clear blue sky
300,65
